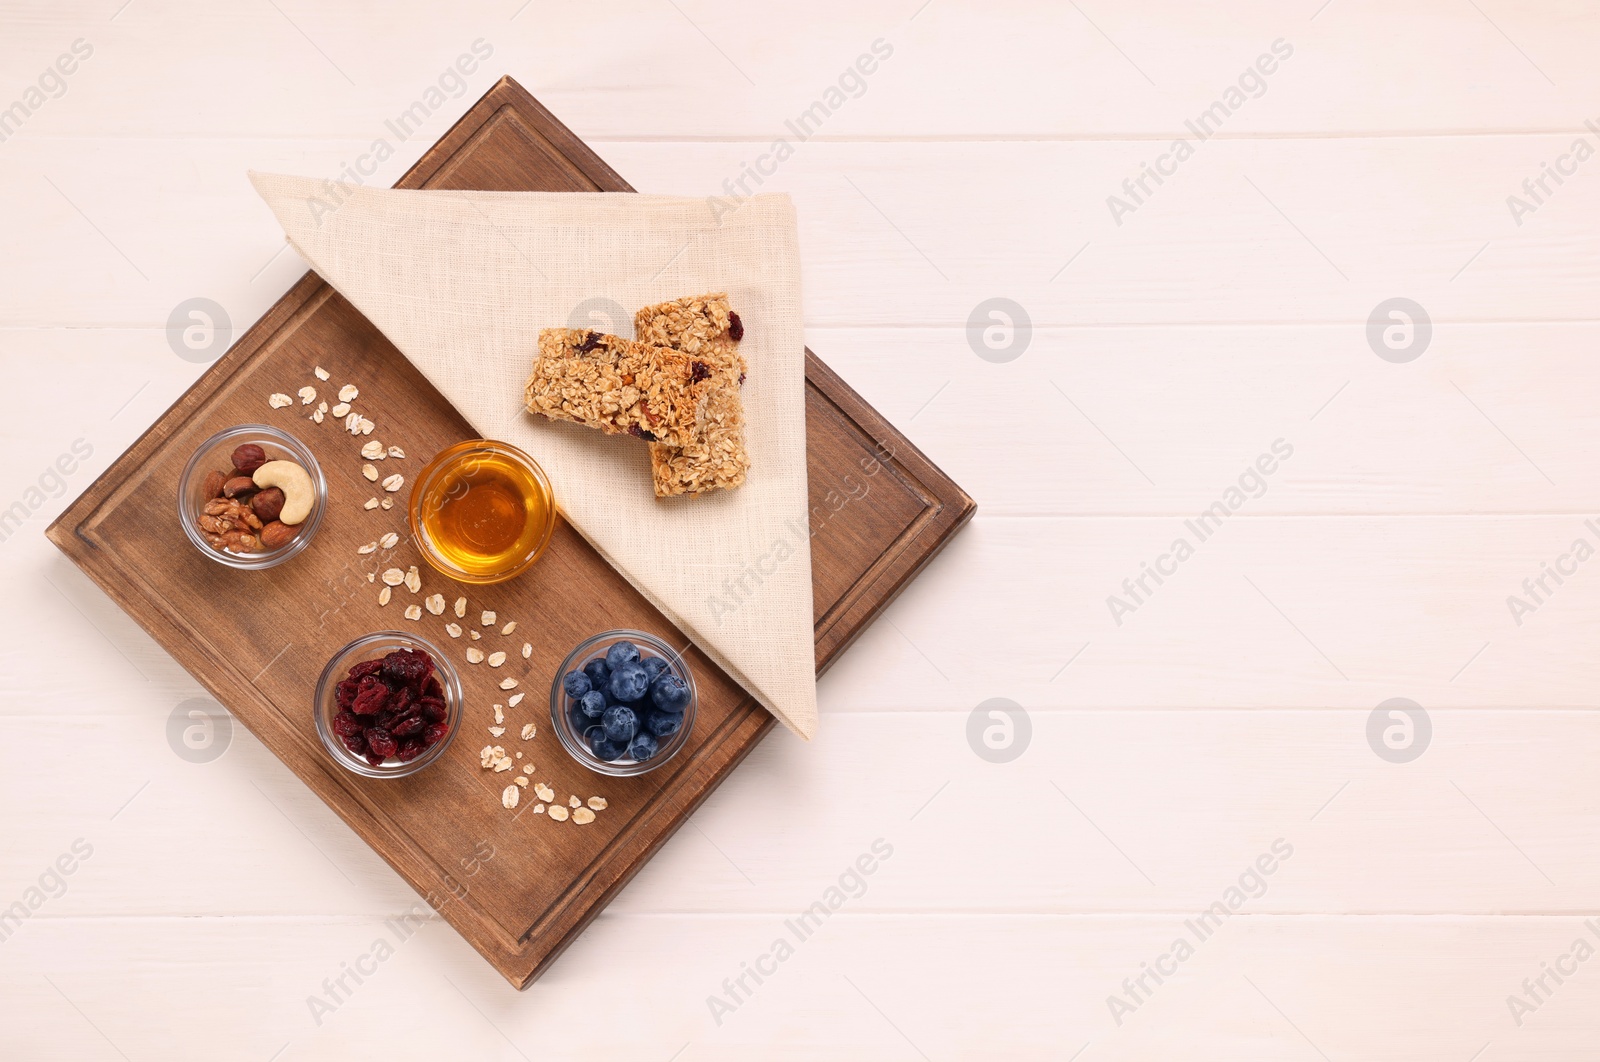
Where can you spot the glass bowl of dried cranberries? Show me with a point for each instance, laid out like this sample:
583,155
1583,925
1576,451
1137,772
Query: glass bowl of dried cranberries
387,705
251,497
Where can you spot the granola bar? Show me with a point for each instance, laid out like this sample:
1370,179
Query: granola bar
705,327
618,385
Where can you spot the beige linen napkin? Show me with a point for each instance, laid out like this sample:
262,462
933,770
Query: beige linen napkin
462,282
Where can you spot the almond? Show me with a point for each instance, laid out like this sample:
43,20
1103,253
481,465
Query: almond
278,534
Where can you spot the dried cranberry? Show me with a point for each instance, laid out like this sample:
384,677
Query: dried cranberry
346,723
433,709
384,719
376,760
735,326
365,668
433,688
408,727
640,433
434,734
401,699
356,743
344,694
407,667
410,749
371,696
590,341
380,741
698,371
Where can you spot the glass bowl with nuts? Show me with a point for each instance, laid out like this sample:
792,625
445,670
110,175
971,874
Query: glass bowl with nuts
251,497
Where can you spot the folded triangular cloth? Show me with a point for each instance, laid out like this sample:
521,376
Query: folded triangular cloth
462,282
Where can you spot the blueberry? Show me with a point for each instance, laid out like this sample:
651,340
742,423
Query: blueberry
598,672
670,693
620,722
662,724
628,682
576,683
623,652
653,666
603,747
592,704
643,747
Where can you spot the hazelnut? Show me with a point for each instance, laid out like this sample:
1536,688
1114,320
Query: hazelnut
248,458
238,485
267,504
212,485
277,534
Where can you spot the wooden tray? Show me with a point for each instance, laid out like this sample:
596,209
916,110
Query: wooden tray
258,640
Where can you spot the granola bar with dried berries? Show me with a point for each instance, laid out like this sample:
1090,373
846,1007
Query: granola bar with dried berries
618,385
702,326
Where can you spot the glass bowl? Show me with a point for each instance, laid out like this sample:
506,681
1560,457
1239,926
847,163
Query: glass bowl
482,511
216,454
572,734
375,647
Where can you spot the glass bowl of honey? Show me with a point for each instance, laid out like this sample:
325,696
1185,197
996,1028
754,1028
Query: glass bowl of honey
482,511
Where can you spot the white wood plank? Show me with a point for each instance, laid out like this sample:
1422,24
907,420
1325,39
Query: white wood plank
641,69
861,987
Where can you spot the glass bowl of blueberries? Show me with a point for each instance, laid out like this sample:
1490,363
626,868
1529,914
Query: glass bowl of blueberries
623,703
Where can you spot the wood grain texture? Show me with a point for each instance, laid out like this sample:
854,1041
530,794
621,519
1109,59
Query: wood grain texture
525,905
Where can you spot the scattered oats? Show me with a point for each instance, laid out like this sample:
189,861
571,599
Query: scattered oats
383,595
598,803
496,659
388,503
279,400
509,798
528,731
393,577
545,793
574,802
348,393
522,782
516,699
583,816
389,541
538,809
413,612
352,422
475,635
413,579
316,415
370,472
370,547
365,426
435,603
394,483
461,607
528,769
341,410
372,503
558,813
395,451
508,684
499,713
508,628
453,629
308,395
374,451
372,577
474,655
322,374
497,731
488,618
527,650
519,755
505,764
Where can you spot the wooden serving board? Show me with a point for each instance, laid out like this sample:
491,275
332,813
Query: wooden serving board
258,640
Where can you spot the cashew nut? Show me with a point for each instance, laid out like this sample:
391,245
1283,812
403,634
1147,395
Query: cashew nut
295,482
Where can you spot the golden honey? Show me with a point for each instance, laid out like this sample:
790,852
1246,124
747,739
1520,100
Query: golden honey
482,511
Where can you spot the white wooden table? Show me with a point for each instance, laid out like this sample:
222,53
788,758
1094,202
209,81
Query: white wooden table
1225,720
